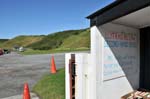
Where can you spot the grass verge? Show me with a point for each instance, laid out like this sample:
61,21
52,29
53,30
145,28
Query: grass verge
32,52
51,86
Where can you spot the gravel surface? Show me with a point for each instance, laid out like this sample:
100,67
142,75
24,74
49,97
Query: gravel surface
16,69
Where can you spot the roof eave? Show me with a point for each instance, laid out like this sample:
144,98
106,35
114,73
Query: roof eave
113,4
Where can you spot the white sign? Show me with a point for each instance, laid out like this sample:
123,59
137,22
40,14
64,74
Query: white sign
119,54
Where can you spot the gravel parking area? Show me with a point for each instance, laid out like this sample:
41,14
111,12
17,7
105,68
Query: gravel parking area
16,69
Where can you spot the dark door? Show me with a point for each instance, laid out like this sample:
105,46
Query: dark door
145,58
72,73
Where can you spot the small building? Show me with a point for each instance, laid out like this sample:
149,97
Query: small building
21,49
119,60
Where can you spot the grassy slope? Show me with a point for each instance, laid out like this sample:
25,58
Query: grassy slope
2,41
71,40
51,86
60,39
21,41
81,40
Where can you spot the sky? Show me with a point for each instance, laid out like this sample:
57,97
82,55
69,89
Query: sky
42,17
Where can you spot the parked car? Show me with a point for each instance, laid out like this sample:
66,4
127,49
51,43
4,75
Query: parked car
1,52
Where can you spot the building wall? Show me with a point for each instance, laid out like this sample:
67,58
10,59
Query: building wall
112,68
82,85
115,56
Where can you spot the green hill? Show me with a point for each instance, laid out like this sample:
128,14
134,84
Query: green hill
63,40
71,39
2,41
21,41
82,40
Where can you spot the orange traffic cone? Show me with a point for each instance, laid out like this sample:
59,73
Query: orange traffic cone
26,93
53,66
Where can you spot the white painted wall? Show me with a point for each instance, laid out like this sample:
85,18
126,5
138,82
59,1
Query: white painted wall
82,61
96,68
117,68
82,86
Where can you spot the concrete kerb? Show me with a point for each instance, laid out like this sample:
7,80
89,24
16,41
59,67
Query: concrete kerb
33,96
